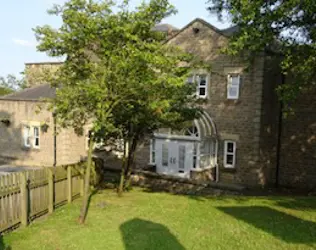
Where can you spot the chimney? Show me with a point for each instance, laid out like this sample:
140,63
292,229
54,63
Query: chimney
35,72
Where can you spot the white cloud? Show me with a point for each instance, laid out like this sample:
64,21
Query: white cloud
23,42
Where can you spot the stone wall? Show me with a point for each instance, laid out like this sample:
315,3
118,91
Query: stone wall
154,182
70,147
298,149
270,120
35,73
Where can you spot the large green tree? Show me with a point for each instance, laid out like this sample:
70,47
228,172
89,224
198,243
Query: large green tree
285,27
114,64
161,106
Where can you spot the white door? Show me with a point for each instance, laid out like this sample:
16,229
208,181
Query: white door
174,157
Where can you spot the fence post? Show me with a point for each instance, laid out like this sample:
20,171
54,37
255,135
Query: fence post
50,191
24,199
69,180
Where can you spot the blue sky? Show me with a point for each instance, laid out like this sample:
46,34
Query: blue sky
18,17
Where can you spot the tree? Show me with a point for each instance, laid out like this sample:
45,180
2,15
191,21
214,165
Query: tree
285,27
169,106
112,59
5,90
10,84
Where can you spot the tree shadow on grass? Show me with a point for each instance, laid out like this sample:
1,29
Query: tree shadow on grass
281,225
141,234
302,203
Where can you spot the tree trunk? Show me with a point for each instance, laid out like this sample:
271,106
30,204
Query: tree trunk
130,164
86,194
122,178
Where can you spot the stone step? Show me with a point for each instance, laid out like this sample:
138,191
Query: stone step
227,186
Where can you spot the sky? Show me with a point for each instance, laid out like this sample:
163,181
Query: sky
18,17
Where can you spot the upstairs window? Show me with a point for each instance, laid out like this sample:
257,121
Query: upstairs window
202,84
229,154
233,85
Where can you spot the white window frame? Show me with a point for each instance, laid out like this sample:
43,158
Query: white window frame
28,137
153,150
195,78
35,137
230,85
31,137
196,155
226,153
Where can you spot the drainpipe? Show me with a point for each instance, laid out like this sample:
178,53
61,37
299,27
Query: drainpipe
55,140
216,158
278,149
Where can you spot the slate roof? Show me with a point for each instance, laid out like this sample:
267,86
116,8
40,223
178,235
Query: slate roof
37,93
164,27
225,32
230,31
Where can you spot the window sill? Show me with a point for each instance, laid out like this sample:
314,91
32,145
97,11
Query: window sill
229,169
24,148
232,102
201,169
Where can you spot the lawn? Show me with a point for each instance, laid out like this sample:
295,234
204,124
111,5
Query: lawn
142,220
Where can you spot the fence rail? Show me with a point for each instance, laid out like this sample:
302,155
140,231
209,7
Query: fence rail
29,194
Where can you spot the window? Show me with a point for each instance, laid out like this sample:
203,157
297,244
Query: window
229,154
153,151
165,155
202,84
31,136
192,131
27,136
36,137
233,84
195,153
181,158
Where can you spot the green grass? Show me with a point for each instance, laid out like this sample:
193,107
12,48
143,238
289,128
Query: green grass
142,220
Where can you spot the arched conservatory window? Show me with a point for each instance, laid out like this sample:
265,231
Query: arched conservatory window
192,131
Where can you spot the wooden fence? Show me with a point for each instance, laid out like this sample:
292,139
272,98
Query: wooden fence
27,195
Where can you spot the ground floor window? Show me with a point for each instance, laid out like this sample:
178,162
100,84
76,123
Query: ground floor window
229,154
27,136
31,136
36,137
152,151
195,154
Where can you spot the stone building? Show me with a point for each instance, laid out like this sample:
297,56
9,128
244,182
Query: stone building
240,138
27,131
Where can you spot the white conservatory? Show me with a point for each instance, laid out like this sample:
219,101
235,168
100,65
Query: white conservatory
191,150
